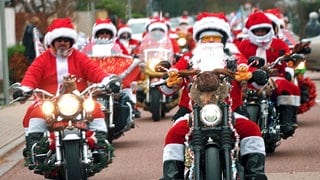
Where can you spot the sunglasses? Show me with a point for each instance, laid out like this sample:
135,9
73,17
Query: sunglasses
210,38
64,39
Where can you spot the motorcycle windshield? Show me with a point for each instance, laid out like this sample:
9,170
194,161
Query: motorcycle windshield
156,47
101,48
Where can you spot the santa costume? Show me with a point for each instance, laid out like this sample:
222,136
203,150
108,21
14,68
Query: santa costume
129,43
47,72
270,48
251,145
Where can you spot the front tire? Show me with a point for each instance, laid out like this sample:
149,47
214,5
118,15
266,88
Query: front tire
212,164
73,168
155,104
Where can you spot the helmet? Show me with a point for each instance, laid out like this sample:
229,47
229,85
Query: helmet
313,15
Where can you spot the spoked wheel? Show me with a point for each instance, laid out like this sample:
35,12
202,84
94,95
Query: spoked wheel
155,104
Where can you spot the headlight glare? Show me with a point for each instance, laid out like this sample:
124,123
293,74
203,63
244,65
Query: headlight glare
211,115
89,105
47,107
68,104
182,41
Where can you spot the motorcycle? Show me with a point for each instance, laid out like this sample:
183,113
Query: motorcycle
212,144
262,109
156,99
296,68
66,151
117,105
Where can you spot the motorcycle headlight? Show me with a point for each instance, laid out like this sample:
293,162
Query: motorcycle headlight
182,41
89,105
69,104
211,115
47,107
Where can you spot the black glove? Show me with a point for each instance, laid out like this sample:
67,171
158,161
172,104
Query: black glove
21,94
181,112
115,84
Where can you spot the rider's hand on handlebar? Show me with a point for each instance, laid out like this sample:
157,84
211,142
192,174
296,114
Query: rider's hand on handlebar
22,94
113,83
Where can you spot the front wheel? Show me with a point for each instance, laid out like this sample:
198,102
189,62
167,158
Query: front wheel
155,104
212,164
73,168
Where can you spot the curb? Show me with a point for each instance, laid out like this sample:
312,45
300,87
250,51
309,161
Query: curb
12,145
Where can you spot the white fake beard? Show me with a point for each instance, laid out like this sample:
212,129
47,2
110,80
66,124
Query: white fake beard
62,52
209,56
125,42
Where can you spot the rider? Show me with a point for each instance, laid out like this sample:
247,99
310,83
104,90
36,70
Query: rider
312,28
125,38
104,32
262,42
211,32
47,72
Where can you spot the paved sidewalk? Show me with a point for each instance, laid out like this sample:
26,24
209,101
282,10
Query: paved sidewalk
11,130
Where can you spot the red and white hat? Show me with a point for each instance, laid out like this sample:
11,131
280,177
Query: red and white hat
104,24
61,27
259,20
211,22
275,16
124,29
157,23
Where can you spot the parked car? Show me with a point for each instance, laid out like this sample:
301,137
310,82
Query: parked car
138,27
313,59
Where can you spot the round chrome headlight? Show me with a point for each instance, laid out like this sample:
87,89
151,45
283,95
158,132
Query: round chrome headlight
211,115
69,104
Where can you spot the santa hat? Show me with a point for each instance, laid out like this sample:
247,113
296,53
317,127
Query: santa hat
258,20
184,20
275,16
124,29
104,24
157,24
211,22
61,27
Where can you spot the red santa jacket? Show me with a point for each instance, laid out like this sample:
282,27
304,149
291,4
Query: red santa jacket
46,69
277,48
236,92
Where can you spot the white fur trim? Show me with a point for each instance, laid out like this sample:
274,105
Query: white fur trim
123,30
252,144
158,25
62,32
37,125
108,26
288,100
98,124
210,23
173,152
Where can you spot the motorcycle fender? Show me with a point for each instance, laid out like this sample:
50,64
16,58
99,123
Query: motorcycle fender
71,135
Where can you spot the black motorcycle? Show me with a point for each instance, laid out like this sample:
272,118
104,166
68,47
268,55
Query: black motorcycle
212,144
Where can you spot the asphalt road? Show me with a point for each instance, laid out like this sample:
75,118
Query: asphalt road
139,153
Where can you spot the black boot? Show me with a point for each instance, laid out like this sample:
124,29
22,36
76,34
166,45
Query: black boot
31,139
288,120
173,170
254,166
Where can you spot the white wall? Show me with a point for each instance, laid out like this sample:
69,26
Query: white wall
10,34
